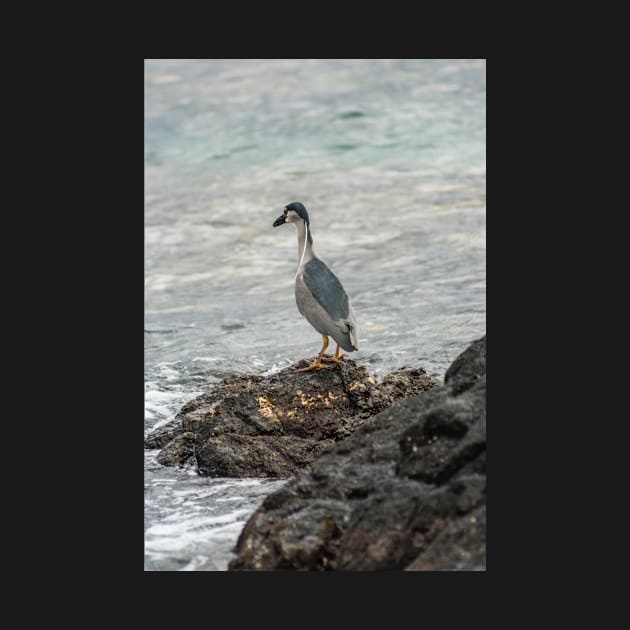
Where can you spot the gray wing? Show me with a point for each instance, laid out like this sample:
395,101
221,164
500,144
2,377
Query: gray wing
326,288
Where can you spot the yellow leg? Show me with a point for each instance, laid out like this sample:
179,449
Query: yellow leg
318,362
337,356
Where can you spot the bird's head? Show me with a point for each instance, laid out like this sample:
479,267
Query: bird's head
293,213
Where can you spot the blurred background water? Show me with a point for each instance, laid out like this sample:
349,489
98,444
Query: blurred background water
388,156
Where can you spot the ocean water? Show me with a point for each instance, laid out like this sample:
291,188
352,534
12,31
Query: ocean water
388,156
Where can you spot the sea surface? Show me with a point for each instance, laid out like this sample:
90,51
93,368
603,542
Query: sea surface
389,158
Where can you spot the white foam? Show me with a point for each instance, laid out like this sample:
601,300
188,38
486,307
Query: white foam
184,531
158,396
196,563
161,406
169,373
277,367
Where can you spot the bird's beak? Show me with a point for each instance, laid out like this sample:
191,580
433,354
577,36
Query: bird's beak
279,221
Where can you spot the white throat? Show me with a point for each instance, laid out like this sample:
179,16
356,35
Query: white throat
305,249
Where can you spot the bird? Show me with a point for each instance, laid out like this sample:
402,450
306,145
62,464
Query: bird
319,294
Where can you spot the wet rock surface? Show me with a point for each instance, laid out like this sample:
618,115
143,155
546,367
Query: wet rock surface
275,426
405,489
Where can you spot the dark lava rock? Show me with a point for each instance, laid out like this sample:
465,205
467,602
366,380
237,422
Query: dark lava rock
178,451
406,490
468,367
460,546
164,435
275,426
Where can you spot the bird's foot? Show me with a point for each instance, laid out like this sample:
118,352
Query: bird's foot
335,358
316,365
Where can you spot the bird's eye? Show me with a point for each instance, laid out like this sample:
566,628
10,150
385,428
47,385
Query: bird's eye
286,212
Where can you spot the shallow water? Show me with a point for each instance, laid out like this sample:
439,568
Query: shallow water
389,159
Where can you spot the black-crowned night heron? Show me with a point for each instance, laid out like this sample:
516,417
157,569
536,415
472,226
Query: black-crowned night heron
319,295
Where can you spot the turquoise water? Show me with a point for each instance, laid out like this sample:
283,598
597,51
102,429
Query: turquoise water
388,156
